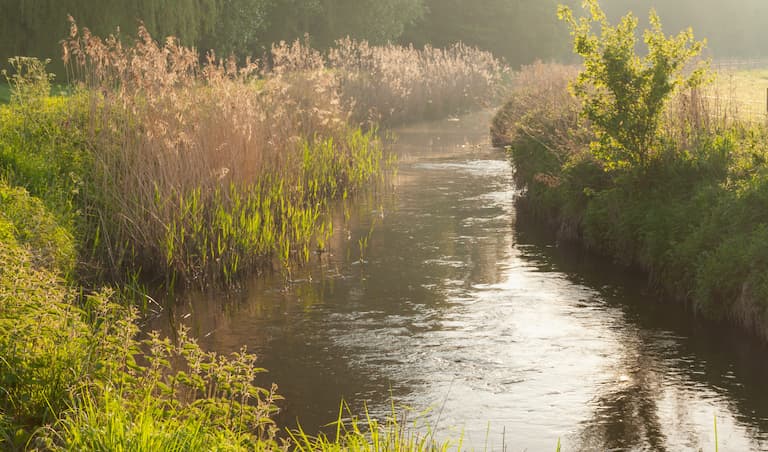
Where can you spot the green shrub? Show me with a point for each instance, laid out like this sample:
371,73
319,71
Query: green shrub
43,342
691,214
76,365
24,220
182,399
624,95
42,141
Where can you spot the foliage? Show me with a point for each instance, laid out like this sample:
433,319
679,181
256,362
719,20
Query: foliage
43,343
325,21
624,95
691,219
241,27
29,224
35,28
77,366
520,32
42,149
210,404
548,143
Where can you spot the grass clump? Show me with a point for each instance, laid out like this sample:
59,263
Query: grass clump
26,222
371,434
689,214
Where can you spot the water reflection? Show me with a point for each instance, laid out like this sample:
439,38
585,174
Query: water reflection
460,306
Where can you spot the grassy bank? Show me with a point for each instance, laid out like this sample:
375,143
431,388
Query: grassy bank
155,167
75,376
692,216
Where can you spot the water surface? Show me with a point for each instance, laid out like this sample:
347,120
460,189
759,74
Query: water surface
462,310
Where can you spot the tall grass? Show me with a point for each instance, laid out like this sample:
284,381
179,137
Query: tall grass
203,171
367,433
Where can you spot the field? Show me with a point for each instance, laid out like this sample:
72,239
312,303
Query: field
743,91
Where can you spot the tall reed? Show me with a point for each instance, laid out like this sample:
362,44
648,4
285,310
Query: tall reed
201,170
392,84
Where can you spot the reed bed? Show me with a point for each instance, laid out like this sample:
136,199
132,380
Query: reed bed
202,171
394,84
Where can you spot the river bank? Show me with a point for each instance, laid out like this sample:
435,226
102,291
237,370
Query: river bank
461,304
693,220
158,169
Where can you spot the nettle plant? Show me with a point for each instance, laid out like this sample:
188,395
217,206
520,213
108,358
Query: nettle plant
623,94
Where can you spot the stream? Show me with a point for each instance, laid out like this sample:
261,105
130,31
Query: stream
437,296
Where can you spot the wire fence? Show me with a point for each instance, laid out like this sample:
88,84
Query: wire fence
734,64
744,96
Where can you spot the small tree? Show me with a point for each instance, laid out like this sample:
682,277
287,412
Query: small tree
623,94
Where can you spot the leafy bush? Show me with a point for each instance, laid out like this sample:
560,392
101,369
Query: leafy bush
182,399
28,223
624,95
43,342
80,369
689,211
42,142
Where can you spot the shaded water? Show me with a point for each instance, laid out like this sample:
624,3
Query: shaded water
461,307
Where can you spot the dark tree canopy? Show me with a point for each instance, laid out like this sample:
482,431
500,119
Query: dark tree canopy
325,21
518,30
242,27
34,28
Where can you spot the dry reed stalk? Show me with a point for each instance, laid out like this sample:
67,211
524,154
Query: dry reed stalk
181,145
541,108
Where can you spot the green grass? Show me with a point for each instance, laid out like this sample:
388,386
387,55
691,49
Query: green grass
366,433
5,93
741,93
744,85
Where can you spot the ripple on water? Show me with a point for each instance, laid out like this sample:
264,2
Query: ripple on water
458,310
